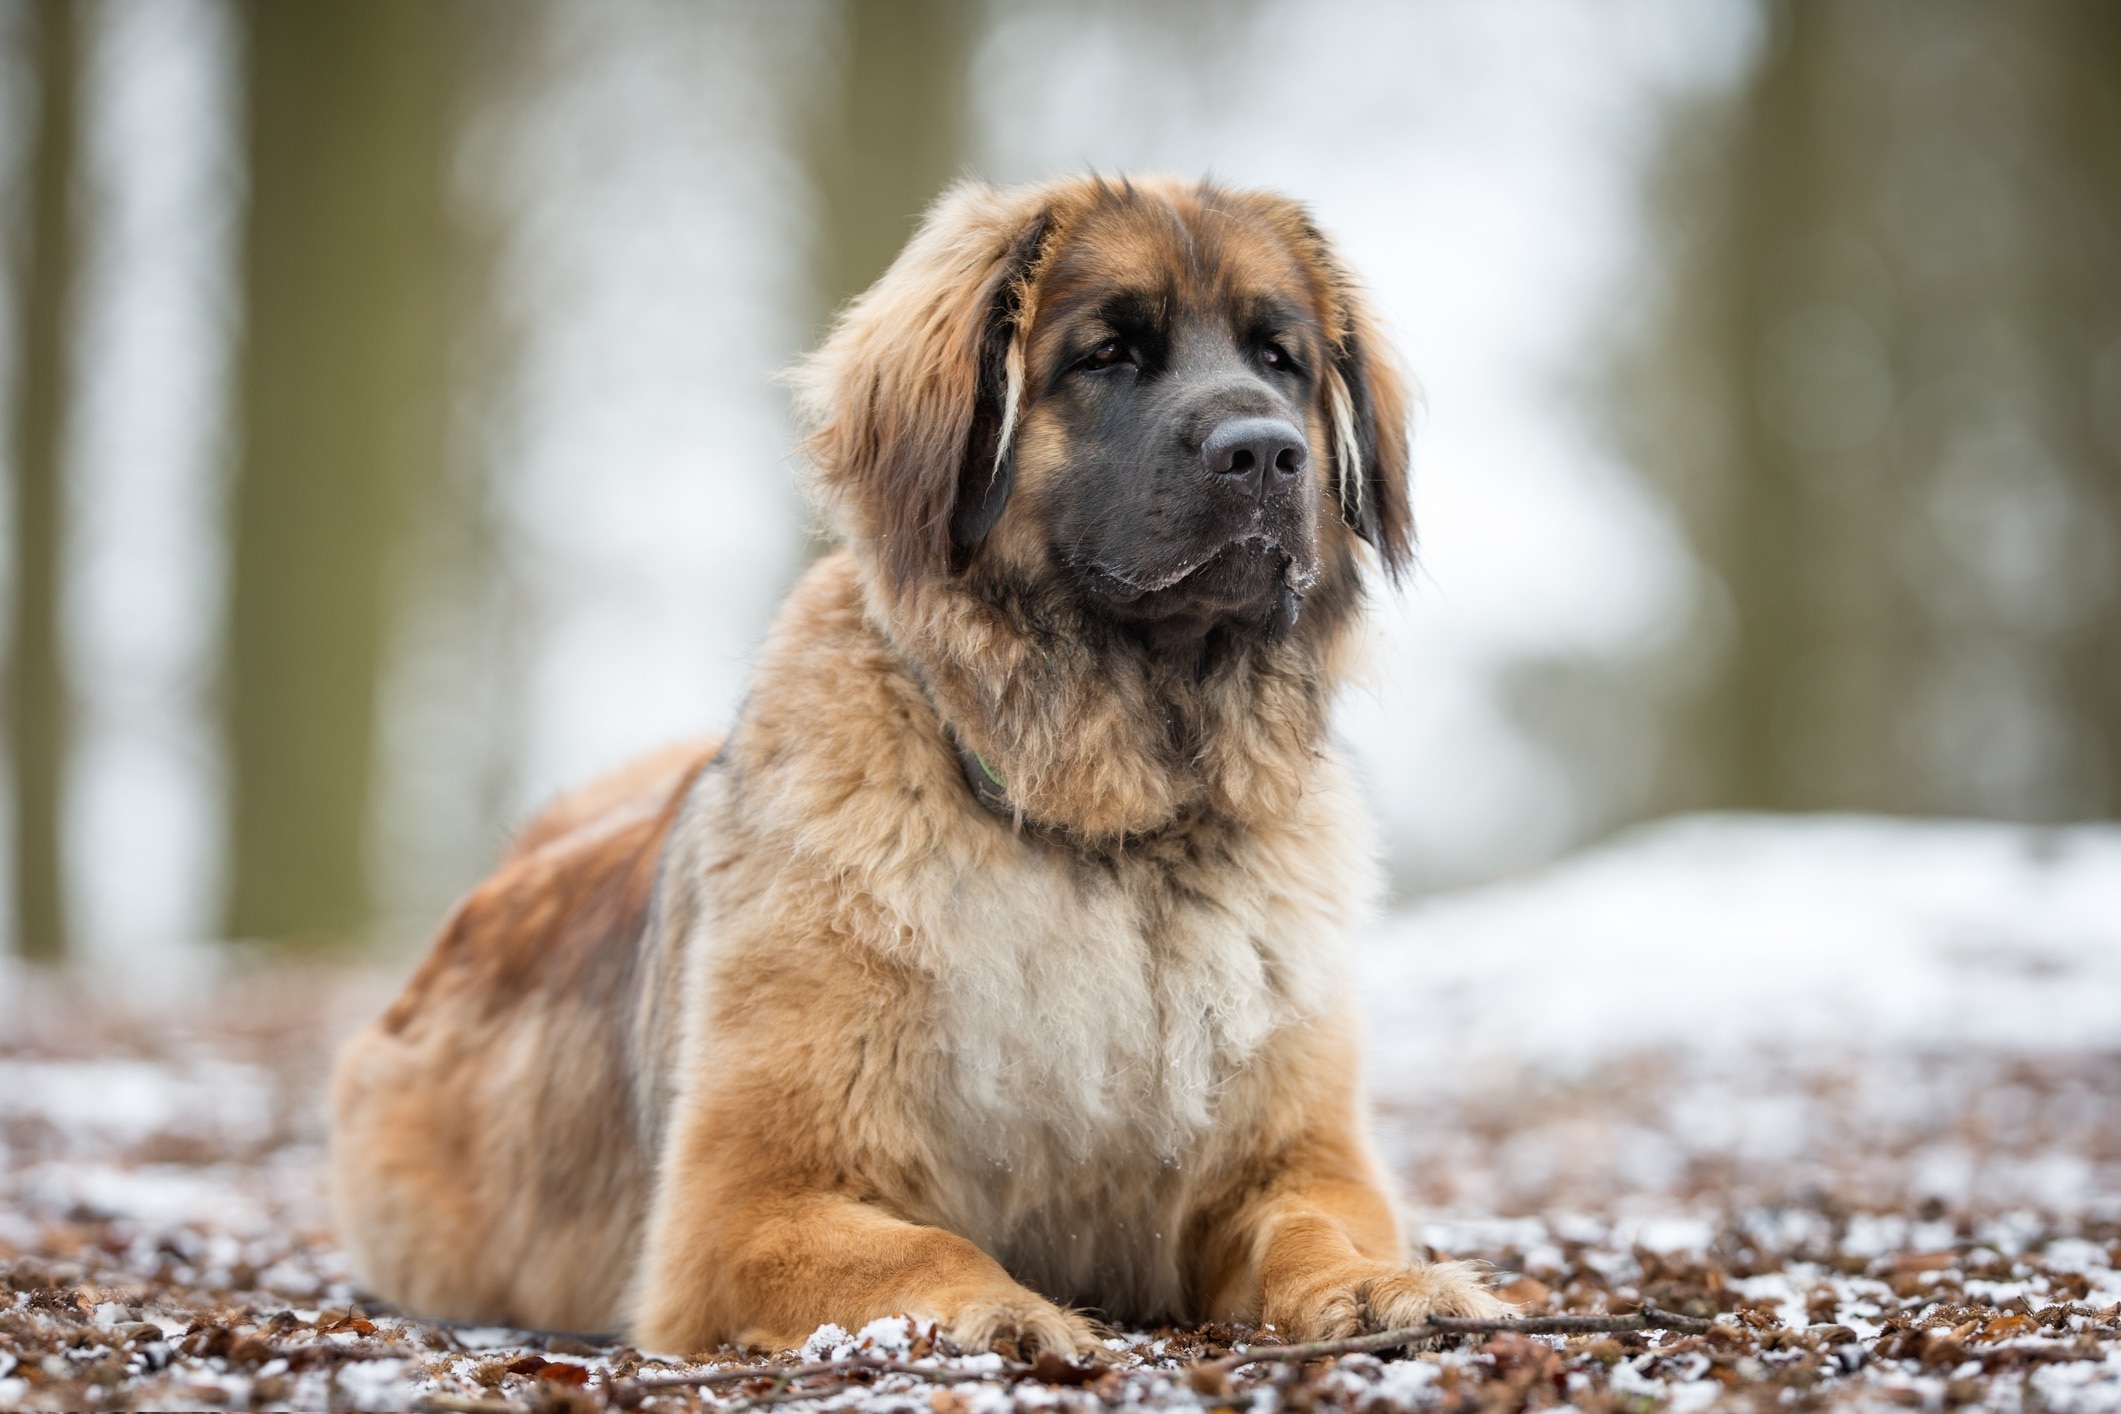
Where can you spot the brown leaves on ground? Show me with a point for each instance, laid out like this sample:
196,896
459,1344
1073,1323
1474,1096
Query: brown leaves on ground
184,1262
1810,1323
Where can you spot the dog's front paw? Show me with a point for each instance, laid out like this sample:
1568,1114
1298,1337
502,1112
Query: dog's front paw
1018,1327
1362,1297
1407,1296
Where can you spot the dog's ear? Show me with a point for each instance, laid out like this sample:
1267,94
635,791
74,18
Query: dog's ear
914,395
1368,405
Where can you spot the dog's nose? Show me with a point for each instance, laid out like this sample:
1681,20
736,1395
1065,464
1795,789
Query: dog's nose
1265,453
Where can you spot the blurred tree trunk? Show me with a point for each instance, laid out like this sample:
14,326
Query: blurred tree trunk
1809,702
897,135
1874,393
341,426
37,688
887,142
2082,307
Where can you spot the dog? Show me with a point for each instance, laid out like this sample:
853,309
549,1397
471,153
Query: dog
991,971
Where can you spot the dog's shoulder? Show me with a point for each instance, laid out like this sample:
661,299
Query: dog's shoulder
840,758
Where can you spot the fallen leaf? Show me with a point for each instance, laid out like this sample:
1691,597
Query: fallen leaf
1210,1380
562,1372
1924,1261
2008,1327
1050,1369
1528,1292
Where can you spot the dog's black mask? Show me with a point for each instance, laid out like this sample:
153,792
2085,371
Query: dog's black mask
1189,423
1179,377
1192,492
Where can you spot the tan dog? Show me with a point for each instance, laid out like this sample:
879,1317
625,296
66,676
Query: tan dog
992,971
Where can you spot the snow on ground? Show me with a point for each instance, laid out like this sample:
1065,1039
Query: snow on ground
1719,933
1851,1087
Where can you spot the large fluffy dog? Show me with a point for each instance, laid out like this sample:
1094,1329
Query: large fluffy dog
991,971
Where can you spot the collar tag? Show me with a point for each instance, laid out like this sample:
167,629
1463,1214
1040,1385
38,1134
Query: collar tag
987,786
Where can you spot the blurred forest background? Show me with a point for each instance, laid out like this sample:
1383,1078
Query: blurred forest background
391,433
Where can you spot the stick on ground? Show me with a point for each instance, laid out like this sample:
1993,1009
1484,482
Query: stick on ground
1647,1319
627,1393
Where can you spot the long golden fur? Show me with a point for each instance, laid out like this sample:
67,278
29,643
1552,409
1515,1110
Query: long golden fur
803,1029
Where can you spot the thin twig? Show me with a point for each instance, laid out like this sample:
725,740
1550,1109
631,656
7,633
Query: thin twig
464,1404
1648,1318
737,1373
629,1392
365,1348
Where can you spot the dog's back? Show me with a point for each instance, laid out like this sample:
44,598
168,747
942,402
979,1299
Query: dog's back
489,1162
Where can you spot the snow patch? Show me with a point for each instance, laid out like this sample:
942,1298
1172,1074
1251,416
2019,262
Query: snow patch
1728,933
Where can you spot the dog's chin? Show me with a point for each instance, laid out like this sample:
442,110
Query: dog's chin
1249,580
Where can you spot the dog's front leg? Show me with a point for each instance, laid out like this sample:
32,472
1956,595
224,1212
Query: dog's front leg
1311,1248
768,1270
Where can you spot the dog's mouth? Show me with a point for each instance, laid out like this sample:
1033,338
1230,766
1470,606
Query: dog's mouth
1238,574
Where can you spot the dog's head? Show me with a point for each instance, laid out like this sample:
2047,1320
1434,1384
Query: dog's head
1166,396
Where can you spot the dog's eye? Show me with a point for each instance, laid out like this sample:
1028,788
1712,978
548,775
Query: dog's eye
1108,354
1275,356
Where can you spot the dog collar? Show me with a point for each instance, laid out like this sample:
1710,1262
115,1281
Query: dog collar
986,785
981,779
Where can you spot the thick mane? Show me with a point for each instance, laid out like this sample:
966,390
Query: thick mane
914,401
1096,730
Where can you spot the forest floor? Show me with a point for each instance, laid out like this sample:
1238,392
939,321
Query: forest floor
1893,1221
